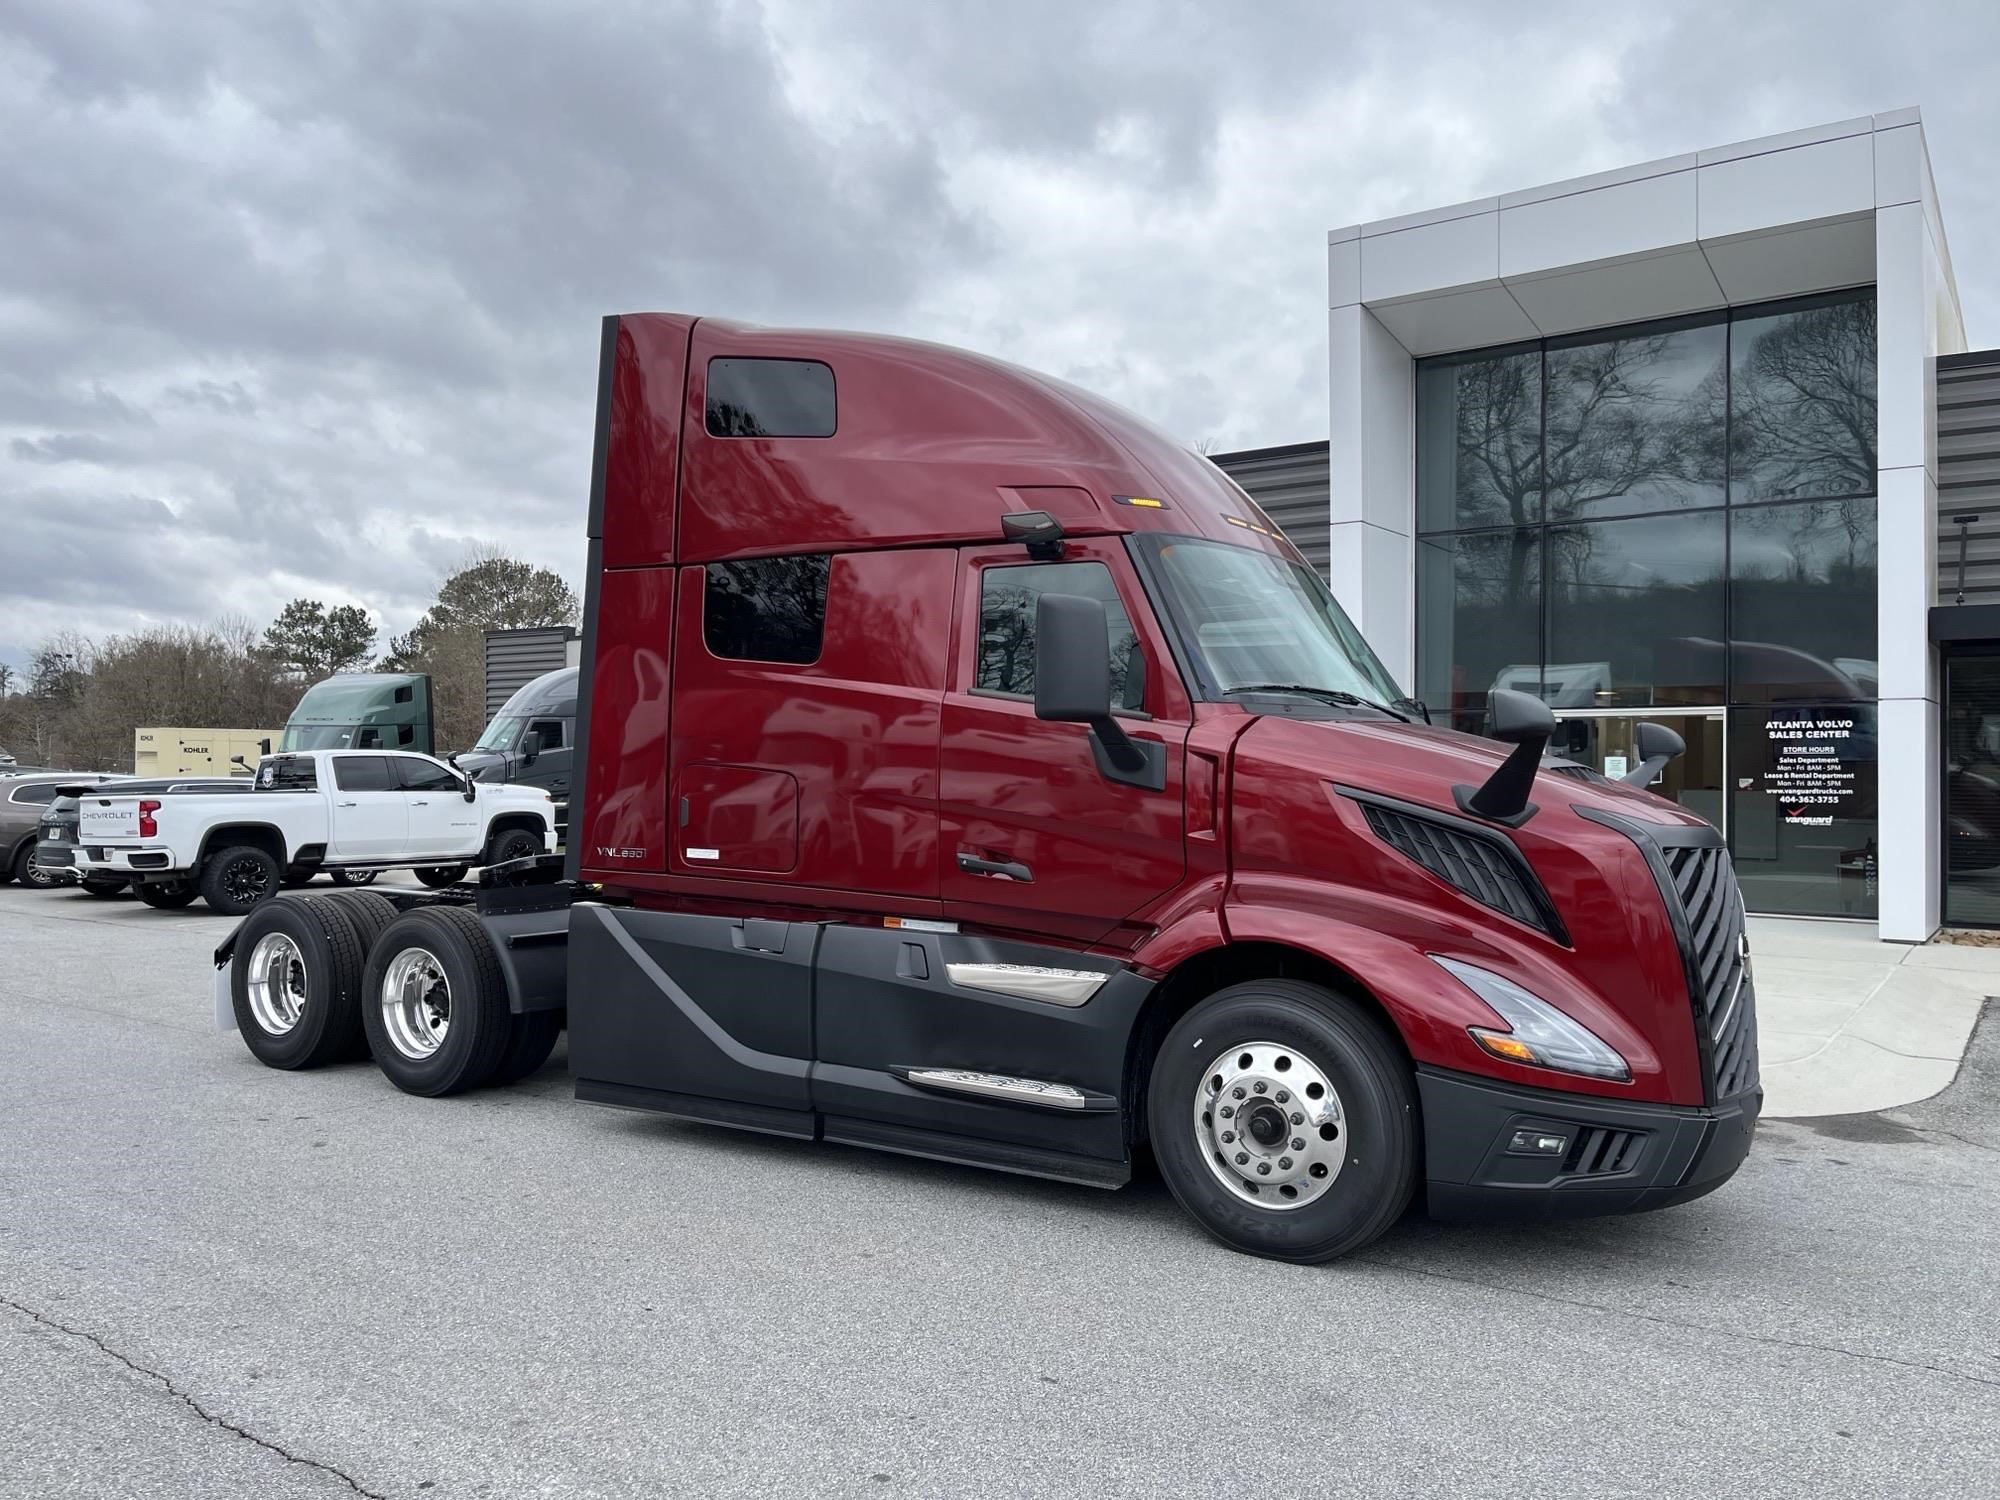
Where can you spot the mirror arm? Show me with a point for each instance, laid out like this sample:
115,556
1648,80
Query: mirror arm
1124,753
1503,796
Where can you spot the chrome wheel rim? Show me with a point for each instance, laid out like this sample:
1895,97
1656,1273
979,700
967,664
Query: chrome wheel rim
276,983
1269,1125
416,1003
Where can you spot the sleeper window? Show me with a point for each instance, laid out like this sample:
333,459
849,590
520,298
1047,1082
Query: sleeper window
770,398
766,608
1008,599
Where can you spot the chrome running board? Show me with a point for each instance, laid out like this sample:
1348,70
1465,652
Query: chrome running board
998,1086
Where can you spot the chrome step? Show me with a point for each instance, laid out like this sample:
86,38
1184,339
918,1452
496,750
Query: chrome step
999,1086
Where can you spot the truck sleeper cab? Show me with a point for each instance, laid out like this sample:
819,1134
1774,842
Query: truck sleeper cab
530,741
970,770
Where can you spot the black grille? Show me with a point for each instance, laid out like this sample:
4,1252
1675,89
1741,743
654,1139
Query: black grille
1490,872
1597,1152
1718,966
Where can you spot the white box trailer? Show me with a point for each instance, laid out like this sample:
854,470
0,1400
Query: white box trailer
197,752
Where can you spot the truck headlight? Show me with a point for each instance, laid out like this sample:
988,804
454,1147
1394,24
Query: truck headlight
1538,1034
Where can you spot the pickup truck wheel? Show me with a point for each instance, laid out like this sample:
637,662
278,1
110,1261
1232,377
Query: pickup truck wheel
238,878
435,1003
166,895
295,983
355,877
514,843
1284,1121
31,874
101,886
437,877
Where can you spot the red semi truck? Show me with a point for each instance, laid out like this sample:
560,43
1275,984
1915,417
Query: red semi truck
972,771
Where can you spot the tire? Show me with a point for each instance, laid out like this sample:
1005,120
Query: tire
1264,1037
295,983
534,1038
355,877
437,877
430,955
511,843
236,880
101,887
368,914
31,874
166,895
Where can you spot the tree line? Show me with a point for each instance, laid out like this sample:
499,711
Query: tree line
76,702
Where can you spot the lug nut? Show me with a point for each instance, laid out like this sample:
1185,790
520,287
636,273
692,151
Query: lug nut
1237,1094
1282,1097
1228,1136
1297,1118
1242,1157
1230,1109
1259,1087
1263,1169
1298,1143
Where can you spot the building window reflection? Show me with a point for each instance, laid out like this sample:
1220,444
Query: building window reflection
1678,514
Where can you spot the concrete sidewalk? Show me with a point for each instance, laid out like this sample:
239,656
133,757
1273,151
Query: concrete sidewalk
1847,1024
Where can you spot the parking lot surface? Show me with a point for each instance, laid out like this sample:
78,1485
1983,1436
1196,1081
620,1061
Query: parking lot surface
220,1280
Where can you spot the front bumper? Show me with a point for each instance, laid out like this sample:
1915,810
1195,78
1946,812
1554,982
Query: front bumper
1617,1157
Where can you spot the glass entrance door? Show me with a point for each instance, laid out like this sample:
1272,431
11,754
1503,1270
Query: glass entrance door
1972,791
1606,743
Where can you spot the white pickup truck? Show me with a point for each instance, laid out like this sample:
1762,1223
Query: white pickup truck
345,811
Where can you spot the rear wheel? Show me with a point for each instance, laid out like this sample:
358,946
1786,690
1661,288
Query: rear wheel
236,879
30,873
1284,1120
435,1003
512,843
534,1038
294,983
437,877
102,887
369,914
167,895
355,877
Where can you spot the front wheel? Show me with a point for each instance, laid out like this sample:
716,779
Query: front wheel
515,843
437,877
1284,1120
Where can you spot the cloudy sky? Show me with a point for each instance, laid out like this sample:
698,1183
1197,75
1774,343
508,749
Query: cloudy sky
302,298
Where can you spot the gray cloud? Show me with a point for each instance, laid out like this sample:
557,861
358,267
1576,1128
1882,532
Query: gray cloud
305,299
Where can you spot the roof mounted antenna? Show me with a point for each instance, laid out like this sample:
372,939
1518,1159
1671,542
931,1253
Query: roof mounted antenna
1037,530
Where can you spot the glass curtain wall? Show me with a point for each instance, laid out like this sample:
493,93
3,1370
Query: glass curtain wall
1671,516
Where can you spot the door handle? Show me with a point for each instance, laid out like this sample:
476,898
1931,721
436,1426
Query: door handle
350,804
421,802
972,864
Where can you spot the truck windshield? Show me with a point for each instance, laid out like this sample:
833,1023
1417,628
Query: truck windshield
328,737
1251,619
500,734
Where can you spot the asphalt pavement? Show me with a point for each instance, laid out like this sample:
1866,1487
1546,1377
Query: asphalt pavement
218,1280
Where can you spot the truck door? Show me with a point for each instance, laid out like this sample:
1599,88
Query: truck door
370,816
441,820
551,767
1033,835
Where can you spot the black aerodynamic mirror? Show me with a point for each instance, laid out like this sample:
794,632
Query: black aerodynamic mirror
1525,722
1073,684
1656,745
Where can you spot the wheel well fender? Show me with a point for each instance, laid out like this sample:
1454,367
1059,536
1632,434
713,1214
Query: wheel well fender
508,822
255,835
1202,974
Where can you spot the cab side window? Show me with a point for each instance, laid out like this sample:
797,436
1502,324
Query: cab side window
418,775
1008,598
550,732
363,773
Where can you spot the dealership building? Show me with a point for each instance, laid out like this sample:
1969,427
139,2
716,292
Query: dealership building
1694,441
